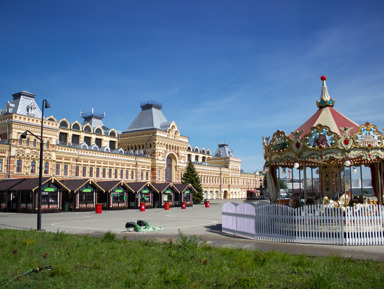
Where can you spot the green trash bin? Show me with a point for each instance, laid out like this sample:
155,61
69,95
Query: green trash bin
66,207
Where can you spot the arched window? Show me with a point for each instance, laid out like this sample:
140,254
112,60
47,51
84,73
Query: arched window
76,126
33,167
63,124
46,169
87,128
112,134
98,131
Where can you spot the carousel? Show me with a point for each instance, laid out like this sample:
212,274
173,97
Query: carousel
330,146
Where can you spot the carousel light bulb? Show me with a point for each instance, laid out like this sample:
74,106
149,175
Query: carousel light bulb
296,165
317,171
347,163
284,172
354,171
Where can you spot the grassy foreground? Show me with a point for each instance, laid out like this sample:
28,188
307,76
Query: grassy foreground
88,262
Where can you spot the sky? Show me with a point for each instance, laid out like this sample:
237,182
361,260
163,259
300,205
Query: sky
225,71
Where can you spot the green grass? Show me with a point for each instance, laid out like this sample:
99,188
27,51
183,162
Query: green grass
107,262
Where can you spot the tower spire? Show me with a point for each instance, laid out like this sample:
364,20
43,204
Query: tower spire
325,99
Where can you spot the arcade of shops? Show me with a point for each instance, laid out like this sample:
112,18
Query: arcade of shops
20,195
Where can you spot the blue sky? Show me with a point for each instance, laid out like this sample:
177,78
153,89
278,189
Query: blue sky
225,71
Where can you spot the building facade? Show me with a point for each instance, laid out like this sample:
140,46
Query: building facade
150,149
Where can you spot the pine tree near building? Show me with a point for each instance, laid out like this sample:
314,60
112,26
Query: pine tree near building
192,177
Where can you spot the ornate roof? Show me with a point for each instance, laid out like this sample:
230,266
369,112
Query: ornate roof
23,103
150,117
223,151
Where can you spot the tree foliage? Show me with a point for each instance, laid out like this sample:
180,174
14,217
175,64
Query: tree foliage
192,177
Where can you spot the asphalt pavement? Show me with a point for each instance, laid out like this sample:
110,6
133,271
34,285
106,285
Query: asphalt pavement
197,220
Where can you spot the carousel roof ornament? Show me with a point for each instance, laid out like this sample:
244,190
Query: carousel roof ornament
325,99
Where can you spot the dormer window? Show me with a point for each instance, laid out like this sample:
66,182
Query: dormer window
31,109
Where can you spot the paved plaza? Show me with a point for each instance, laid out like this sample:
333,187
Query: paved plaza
196,220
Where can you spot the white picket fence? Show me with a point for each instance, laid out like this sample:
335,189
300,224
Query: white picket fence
317,224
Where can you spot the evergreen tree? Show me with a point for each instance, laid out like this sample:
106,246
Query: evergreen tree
192,177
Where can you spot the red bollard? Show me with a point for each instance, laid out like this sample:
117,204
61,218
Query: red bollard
183,205
206,204
166,206
142,207
98,208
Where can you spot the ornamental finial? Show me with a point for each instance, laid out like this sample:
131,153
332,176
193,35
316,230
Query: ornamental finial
325,99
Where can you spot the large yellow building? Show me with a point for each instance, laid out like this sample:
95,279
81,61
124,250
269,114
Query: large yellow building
150,149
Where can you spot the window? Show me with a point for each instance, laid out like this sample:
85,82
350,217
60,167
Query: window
18,166
115,173
27,142
158,175
63,138
121,174
142,175
87,128
112,134
75,126
98,142
84,172
65,170
63,124
98,131
104,173
20,141
97,172
1,165
57,172
77,173
87,140
110,173
91,172
112,145
47,147
75,139
46,169
132,175
34,143
126,174
146,176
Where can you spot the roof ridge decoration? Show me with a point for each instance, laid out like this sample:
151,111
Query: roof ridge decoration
325,99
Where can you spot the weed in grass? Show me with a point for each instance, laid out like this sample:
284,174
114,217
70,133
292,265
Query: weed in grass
59,236
246,282
192,242
109,237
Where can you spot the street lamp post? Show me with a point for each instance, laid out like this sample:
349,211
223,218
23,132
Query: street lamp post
45,104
